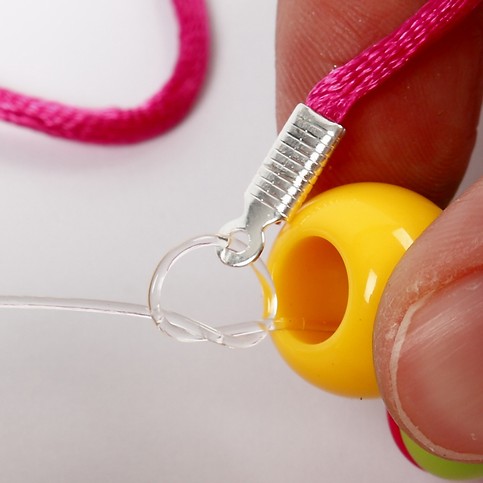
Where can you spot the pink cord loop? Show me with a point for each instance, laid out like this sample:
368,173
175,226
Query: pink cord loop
332,97
161,112
336,93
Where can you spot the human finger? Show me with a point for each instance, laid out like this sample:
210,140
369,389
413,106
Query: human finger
429,331
418,129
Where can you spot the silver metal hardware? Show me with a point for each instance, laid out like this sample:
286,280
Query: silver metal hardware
283,181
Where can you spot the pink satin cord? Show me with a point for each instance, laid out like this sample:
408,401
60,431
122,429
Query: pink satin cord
336,93
332,97
161,112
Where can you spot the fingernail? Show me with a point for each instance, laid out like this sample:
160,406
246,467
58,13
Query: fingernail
437,369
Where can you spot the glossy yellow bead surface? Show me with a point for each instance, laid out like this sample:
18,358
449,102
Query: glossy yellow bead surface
330,265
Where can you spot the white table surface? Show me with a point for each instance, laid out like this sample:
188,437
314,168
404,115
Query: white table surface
90,398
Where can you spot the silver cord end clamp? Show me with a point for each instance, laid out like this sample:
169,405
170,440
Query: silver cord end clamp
283,181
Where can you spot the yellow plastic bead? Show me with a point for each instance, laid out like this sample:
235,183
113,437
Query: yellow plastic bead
330,265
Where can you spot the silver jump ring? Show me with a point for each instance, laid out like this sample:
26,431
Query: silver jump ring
185,329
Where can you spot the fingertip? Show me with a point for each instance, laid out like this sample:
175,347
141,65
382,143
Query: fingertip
428,335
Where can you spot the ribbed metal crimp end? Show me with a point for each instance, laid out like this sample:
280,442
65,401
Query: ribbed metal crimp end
295,161
283,181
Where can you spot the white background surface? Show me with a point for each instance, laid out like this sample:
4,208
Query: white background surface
107,399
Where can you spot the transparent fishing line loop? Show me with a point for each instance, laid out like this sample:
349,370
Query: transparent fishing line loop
174,324
185,329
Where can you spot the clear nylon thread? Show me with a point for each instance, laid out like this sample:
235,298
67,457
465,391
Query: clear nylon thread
334,95
159,113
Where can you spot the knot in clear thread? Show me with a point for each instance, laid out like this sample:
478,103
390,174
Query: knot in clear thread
185,329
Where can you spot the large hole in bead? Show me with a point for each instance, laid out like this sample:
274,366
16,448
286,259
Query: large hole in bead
312,291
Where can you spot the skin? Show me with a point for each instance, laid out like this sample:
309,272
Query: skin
417,130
